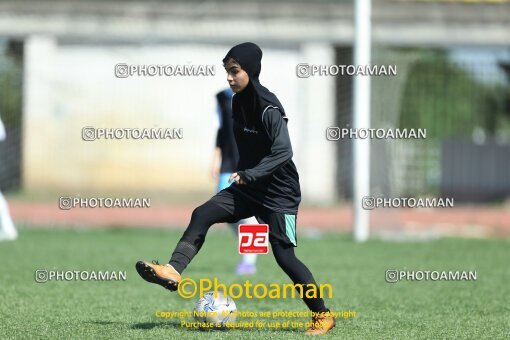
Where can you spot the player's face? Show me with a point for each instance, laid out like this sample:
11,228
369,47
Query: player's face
237,77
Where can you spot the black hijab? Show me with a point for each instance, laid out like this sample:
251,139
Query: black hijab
255,98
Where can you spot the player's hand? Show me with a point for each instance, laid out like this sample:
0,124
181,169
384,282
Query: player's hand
236,178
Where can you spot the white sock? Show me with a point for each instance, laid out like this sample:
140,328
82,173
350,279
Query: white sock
250,259
7,227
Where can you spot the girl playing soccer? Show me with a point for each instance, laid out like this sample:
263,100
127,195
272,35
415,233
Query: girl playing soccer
266,185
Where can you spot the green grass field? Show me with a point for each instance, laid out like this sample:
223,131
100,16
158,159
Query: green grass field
126,309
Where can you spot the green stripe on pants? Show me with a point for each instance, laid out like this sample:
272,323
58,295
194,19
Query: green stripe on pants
290,228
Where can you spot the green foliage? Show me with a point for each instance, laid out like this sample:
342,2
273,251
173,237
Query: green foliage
11,77
447,100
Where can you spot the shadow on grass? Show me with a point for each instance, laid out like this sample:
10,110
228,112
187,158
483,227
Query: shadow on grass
142,325
177,324
151,325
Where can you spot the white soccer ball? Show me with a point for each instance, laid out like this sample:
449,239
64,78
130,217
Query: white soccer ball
216,310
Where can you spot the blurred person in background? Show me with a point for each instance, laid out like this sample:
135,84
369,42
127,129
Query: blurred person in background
224,163
7,229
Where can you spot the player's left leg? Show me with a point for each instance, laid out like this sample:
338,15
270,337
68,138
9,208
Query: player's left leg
7,229
322,320
282,236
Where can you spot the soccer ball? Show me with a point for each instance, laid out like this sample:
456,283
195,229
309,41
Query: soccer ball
216,310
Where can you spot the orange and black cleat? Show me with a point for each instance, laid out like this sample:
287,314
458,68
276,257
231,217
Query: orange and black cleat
163,275
321,324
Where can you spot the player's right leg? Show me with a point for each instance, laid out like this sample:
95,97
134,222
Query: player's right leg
223,207
163,275
169,275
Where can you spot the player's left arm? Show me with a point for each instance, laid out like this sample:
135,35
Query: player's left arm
281,149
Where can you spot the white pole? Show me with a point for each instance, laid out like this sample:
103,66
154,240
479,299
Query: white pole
361,118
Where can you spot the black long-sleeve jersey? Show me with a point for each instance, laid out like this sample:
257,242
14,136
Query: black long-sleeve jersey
265,162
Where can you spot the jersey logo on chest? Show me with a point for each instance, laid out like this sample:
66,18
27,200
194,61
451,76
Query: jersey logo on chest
250,130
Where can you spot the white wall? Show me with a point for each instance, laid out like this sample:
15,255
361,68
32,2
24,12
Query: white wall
67,87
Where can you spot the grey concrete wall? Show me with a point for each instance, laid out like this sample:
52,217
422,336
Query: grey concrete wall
394,22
